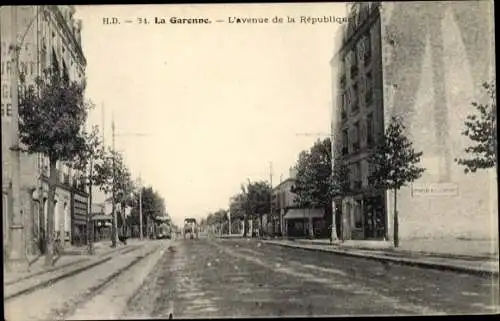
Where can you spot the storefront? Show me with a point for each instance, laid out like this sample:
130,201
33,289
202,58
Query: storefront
79,205
305,222
363,217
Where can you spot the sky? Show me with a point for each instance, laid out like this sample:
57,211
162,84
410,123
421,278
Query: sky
200,108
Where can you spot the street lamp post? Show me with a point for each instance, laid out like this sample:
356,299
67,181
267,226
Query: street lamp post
114,240
140,209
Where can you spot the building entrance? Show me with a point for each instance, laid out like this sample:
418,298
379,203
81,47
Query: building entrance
374,217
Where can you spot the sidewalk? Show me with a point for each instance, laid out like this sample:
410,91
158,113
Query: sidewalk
453,248
463,258
72,256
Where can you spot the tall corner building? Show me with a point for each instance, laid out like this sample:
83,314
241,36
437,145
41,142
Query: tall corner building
425,62
47,36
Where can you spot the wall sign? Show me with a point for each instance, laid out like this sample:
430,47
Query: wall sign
434,189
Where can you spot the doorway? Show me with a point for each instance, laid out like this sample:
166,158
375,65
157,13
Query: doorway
374,213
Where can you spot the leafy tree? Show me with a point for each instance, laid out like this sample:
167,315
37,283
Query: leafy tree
339,186
395,164
53,113
112,175
314,183
256,201
153,205
481,128
91,154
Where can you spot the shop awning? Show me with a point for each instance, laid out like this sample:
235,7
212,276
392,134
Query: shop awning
300,213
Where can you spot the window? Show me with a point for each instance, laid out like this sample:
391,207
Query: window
345,142
368,89
367,55
354,64
355,136
369,129
355,92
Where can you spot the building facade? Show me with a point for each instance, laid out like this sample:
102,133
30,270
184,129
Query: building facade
297,221
424,62
47,36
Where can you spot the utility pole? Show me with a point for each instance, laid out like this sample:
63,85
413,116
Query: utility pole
114,229
281,207
140,209
103,125
271,192
229,218
17,258
90,227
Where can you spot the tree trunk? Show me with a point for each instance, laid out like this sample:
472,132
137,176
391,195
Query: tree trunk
49,237
261,229
396,220
245,225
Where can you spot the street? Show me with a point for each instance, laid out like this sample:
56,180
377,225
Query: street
240,278
212,277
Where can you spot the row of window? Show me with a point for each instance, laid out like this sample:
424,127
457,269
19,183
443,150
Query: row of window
352,137
360,52
351,96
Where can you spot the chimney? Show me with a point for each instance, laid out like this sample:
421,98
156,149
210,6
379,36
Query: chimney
293,172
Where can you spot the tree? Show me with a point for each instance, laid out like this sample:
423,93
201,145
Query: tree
85,162
153,205
394,164
112,175
256,201
339,186
314,183
52,120
481,128
221,217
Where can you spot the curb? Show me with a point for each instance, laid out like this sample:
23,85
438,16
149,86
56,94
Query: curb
401,261
391,252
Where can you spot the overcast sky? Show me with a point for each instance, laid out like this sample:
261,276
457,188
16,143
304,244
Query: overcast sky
219,101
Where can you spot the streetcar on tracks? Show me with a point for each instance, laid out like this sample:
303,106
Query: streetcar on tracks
162,228
190,228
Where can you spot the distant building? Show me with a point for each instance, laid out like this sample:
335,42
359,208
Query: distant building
424,61
296,221
52,38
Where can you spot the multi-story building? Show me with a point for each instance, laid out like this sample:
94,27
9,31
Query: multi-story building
297,221
424,62
47,36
